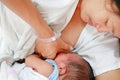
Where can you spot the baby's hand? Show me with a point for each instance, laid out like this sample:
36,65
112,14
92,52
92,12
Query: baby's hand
104,28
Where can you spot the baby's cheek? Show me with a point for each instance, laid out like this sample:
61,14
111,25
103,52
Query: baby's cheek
12,75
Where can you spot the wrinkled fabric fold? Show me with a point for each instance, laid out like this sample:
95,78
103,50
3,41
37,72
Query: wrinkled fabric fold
17,40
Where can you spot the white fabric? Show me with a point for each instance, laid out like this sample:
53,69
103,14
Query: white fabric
16,41
57,13
27,73
101,50
6,72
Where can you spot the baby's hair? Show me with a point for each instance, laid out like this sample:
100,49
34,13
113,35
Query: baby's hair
77,71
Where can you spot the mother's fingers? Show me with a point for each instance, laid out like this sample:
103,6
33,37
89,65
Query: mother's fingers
104,29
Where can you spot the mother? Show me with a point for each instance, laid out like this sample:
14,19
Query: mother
90,13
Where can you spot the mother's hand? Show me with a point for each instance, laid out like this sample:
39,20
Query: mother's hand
50,49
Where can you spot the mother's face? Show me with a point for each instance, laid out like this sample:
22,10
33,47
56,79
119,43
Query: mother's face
101,14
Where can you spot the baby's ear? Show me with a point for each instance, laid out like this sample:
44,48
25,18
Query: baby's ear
62,69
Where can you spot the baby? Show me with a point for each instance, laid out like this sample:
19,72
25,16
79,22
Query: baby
68,66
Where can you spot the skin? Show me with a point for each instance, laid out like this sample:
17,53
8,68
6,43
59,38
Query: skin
102,14
39,65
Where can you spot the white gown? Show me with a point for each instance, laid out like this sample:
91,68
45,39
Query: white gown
101,50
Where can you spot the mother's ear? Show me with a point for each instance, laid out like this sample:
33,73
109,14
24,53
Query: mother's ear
62,68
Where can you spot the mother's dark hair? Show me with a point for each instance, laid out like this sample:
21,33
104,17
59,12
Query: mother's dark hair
118,5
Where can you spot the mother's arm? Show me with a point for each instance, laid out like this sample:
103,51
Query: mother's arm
27,11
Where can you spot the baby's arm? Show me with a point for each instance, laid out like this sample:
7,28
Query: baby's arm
39,65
